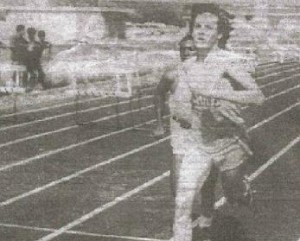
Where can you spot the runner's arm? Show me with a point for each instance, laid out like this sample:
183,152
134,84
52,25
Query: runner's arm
250,95
163,88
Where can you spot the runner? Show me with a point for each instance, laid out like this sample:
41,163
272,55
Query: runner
207,128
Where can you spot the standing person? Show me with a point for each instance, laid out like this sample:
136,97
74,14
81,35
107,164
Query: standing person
33,58
205,104
18,46
43,46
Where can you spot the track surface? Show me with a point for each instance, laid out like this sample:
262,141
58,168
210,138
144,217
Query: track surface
106,181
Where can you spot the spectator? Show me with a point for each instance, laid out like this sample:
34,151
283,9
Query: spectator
18,46
33,59
43,45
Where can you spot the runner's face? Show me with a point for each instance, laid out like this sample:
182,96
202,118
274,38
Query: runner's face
187,50
205,30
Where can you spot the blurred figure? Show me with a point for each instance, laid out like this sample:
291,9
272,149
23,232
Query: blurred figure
18,46
46,46
44,49
32,61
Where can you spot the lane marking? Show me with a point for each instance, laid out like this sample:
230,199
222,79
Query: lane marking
59,150
104,207
273,117
146,185
280,80
271,161
71,113
76,174
276,95
83,171
276,73
16,141
80,233
71,127
275,68
283,92
274,64
60,105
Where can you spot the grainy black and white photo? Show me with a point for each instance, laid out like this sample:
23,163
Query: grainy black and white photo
149,120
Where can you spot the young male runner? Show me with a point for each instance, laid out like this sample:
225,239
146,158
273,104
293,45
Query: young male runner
187,51
206,127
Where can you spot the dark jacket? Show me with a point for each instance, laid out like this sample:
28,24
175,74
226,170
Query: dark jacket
18,46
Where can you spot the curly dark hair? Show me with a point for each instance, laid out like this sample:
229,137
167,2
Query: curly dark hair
224,26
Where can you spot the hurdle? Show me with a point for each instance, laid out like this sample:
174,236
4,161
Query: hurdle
14,84
120,86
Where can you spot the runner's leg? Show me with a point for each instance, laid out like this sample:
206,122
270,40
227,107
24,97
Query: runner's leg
193,172
208,198
175,167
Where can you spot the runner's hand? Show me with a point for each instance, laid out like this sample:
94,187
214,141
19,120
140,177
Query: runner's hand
184,123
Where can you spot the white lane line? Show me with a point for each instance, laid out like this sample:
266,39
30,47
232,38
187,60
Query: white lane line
273,65
104,207
273,117
276,95
281,68
280,81
83,171
61,105
276,73
146,185
59,150
70,127
271,161
112,116
268,64
49,107
76,174
283,92
72,113
80,233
